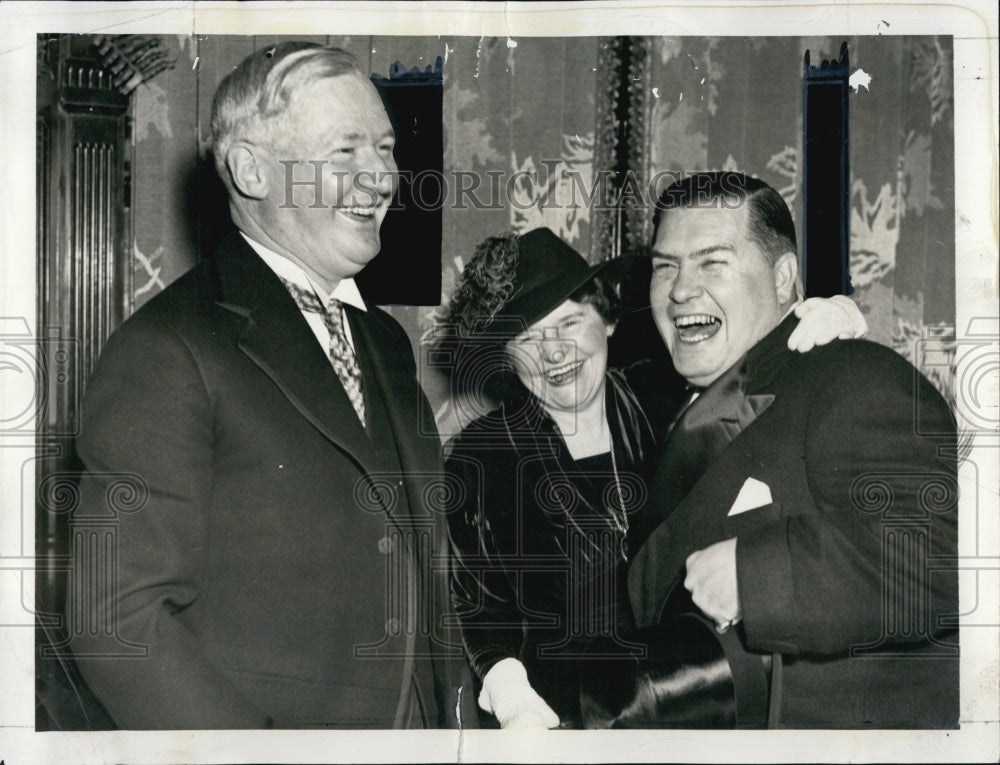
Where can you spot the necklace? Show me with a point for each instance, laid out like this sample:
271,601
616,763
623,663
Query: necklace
620,523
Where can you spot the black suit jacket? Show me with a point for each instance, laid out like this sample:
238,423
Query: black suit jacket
265,570
845,573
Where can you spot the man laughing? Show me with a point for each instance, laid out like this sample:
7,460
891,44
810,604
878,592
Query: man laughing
762,501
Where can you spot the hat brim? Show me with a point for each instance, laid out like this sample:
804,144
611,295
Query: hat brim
527,307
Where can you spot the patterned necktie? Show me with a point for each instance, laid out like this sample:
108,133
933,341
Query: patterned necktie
345,363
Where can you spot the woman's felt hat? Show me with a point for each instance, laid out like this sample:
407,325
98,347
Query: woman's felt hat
547,273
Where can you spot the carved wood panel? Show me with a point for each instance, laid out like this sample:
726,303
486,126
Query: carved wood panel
83,204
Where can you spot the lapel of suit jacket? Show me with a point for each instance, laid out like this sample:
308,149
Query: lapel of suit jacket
658,564
707,426
416,441
278,340
766,359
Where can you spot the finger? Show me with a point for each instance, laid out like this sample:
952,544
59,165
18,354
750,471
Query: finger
805,338
723,627
862,328
798,342
855,319
845,316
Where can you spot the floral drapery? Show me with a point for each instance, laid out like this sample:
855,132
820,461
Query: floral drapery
735,104
538,124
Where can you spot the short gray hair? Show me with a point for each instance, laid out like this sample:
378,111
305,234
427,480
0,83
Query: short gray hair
258,91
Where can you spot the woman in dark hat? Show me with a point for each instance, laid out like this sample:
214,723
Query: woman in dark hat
548,483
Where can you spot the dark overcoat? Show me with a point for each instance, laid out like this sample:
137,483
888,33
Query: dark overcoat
285,567
847,571
538,566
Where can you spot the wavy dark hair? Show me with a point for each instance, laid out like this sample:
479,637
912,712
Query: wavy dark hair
769,222
463,327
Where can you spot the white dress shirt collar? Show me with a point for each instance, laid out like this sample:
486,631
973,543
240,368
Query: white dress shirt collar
346,291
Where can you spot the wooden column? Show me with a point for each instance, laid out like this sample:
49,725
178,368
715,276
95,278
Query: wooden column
84,259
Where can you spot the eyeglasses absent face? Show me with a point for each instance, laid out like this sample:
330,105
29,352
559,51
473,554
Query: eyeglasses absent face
334,175
714,293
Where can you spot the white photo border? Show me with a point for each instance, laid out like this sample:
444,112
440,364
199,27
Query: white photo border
973,26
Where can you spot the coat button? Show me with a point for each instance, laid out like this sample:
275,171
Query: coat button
385,545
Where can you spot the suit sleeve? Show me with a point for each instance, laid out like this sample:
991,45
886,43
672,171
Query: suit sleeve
484,600
147,417
830,575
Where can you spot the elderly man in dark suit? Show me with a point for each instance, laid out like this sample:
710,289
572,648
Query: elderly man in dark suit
282,572
797,497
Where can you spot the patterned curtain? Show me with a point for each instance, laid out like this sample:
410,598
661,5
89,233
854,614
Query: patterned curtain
520,118
539,124
903,199
735,104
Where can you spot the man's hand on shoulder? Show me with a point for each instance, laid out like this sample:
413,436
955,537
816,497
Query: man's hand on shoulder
823,320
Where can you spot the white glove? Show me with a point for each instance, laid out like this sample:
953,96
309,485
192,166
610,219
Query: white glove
825,319
509,697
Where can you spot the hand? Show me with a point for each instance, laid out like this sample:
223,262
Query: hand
509,697
824,320
711,580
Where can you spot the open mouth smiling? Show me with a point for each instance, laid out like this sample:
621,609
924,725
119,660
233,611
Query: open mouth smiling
563,374
696,327
358,213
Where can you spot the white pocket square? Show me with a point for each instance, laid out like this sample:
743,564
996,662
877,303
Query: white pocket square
752,495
